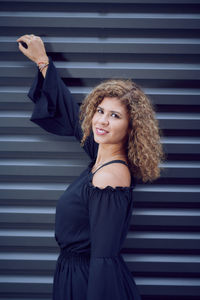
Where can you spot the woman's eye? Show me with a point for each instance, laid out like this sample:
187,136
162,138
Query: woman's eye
99,110
115,115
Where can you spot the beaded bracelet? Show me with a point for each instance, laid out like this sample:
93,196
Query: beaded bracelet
41,65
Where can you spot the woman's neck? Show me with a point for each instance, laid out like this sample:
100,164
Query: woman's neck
107,152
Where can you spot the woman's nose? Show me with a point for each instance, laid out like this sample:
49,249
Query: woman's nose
104,119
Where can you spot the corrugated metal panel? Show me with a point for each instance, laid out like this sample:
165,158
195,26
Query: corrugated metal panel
157,44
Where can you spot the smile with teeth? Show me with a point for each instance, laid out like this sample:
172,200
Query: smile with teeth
101,131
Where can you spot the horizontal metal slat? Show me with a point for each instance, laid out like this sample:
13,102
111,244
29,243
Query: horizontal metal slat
162,240
97,20
141,217
111,45
161,263
42,167
19,296
158,263
56,167
182,121
31,261
28,217
159,96
37,144
169,286
181,169
181,145
14,241
173,96
170,194
151,286
141,70
25,284
166,217
13,193
135,240
109,1
31,191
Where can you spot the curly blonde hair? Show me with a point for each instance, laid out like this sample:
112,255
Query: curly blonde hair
144,149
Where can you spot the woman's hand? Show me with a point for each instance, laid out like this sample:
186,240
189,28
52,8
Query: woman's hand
35,50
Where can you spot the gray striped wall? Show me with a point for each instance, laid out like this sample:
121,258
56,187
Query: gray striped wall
157,44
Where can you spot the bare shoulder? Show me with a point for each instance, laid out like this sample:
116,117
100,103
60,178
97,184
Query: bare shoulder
115,174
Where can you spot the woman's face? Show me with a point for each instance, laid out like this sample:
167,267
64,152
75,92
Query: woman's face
110,122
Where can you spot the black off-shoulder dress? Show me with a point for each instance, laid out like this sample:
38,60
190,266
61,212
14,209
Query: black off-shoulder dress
91,223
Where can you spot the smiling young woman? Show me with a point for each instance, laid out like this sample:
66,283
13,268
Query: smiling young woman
110,125
117,128
134,127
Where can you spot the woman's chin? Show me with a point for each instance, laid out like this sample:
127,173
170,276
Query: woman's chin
101,139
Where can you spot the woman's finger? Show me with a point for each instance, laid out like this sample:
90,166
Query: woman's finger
24,39
28,36
22,49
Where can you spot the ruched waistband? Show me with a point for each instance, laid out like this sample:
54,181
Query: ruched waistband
65,253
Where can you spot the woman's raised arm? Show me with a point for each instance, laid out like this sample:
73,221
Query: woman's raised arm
55,110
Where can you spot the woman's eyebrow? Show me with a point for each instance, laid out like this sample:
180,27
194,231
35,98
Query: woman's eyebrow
112,111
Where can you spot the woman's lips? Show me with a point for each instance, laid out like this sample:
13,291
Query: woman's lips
100,131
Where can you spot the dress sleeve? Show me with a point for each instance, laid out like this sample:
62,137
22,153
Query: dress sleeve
55,110
109,214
